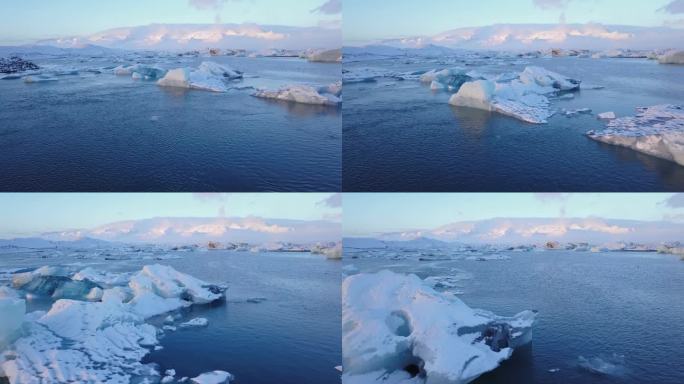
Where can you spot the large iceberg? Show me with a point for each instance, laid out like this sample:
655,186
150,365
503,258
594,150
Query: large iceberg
657,131
395,327
208,76
328,95
102,341
524,96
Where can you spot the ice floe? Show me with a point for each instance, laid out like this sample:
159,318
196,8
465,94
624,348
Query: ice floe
657,131
196,322
39,79
524,97
215,377
208,76
100,341
396,327
328,95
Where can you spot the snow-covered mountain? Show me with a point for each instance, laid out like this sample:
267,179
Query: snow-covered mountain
540,230
173,37
515,37
172,230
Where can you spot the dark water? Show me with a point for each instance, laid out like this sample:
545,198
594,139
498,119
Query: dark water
290,335
401,136
293,336
620,304
107,133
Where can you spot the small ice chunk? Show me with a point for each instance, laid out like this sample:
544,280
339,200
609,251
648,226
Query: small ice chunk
215,377
606,116
39,79
196,322
673,57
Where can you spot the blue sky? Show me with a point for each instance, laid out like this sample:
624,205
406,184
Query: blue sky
366,20
30,214
27,20
373,213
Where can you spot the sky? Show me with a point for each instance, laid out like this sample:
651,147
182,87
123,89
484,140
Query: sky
367,20
27,214
374,213
29,20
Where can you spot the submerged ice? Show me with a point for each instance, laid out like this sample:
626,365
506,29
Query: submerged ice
396,327
101,340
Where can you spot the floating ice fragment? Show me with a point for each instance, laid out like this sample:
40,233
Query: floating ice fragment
673,57
657,131
302,94
196,322
606,116
215,377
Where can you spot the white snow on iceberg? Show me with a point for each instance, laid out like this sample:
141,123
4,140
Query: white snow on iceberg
523,97
329,95
657,131
396,326
102,341
208,76
12,309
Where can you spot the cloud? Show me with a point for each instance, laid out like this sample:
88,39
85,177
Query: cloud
674,7
675,201
207,4
551,4
211,197
330,7
333,201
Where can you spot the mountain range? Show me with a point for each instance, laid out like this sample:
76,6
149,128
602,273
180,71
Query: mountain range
520,37
181,231
516,231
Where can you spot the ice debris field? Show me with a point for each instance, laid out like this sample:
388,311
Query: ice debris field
397,329
96,331
529,95
207,76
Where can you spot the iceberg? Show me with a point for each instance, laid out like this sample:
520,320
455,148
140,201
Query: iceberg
397,326
100,341
657,131
523,97
329,95
53,282
674,57
140,71
448,79
208,76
